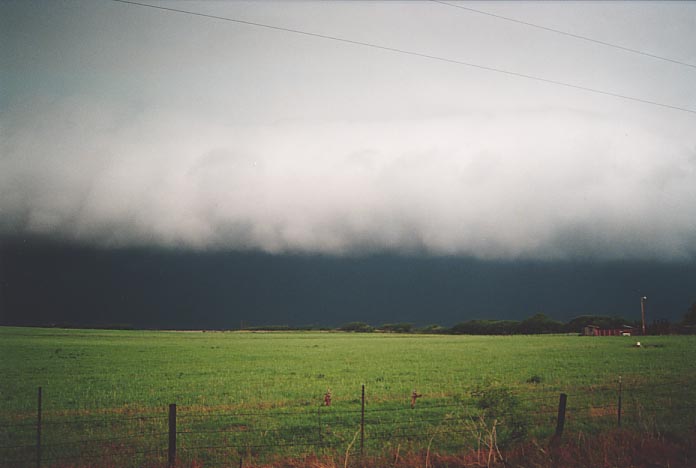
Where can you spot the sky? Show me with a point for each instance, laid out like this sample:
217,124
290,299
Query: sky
128,131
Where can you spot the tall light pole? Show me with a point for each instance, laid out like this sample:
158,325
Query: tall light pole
642,311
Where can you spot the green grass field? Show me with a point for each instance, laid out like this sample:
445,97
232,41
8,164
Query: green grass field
259,395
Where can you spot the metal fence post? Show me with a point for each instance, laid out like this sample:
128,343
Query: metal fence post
319,422
38,432
171,455
561,414
362,422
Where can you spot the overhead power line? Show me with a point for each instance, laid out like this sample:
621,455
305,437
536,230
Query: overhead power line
408,52
564,33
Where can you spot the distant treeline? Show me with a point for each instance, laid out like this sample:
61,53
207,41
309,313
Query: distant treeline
536,324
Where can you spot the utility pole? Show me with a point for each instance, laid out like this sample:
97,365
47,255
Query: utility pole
642,311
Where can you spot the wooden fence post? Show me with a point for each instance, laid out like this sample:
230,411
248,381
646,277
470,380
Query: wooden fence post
362,423
561,414
619,409
171,456
38,432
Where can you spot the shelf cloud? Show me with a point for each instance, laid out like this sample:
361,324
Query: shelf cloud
547,183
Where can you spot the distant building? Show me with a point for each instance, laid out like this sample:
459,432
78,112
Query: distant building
594,330
590,330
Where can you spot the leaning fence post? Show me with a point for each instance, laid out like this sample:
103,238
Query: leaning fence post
619,409
561,414
362,422
38,432
171,458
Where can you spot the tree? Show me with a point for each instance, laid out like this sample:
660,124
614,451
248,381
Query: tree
397,327
485,327
432,328
540,323
361,327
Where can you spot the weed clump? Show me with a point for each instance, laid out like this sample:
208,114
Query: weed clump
501,413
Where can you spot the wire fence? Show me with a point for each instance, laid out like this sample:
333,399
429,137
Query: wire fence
348,428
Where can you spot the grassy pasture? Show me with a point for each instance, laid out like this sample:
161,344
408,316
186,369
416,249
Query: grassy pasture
259,394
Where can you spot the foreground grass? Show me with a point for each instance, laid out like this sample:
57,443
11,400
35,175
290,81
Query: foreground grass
610,449
251,395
